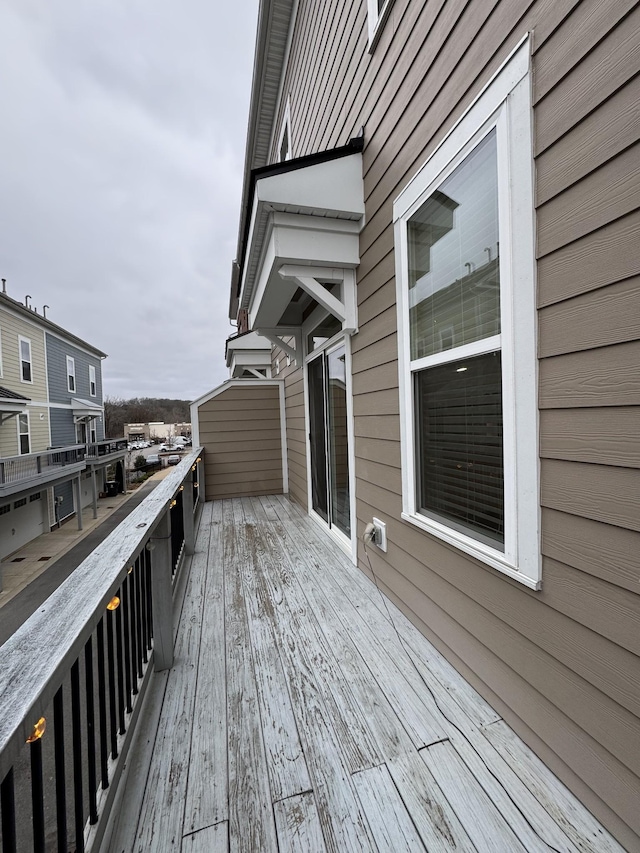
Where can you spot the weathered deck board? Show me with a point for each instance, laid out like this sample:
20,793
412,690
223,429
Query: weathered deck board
305,713
298,823
161,818
207,792
251,823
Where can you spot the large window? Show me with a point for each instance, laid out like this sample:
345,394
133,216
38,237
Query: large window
24,345
92,380
466,306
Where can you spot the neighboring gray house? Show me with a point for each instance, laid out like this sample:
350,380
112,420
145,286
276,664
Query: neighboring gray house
440,232
53,452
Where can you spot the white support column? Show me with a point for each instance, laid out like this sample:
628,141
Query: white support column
94,490
78,490
162,592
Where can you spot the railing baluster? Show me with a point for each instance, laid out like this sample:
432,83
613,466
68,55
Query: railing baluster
102,707
143,607
126,621
111,669
148,601
61,780
8,809
37,795
76,731
91,735
120,670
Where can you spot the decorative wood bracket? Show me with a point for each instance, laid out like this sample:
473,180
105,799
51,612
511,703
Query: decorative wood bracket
310,280
277,335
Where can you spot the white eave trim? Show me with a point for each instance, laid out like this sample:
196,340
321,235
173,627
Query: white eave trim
328,196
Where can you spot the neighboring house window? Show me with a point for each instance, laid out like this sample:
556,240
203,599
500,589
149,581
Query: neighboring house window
92,432
466,305
24,438
71,374
26,373
92,380
1,354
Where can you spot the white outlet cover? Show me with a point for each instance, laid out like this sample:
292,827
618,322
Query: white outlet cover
381,534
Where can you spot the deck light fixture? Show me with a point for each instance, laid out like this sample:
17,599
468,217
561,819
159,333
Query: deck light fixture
114,603
38,730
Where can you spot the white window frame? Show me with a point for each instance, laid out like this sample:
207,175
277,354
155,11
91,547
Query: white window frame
20,433
376,20
71,374
26,341
1,372
504,104
93,388
286,128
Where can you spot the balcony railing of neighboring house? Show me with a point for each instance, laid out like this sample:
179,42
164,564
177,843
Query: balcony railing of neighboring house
30,466
89,654
106,447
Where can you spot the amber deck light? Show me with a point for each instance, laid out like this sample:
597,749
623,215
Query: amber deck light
38,730
114,603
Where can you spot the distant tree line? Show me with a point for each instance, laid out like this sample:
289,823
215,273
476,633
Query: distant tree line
142,410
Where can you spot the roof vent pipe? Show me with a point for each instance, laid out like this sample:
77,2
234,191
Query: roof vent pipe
44,311
4,285
28,296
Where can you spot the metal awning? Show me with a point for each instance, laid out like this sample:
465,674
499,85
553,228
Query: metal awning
11,404
85,410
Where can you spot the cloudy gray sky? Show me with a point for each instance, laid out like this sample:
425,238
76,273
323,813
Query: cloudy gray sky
122,139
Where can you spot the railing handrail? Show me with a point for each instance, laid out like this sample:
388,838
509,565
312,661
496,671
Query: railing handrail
34,659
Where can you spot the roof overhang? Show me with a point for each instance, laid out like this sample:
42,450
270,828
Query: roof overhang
85,410
303,238
248,353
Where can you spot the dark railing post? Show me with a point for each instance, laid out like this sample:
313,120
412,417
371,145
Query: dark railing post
162,593
187,515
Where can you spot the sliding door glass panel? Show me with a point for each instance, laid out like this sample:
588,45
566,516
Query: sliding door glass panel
338,440
317,438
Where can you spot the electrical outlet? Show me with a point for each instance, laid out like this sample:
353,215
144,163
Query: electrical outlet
380,535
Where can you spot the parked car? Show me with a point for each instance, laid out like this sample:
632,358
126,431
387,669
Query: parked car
174,459
152,459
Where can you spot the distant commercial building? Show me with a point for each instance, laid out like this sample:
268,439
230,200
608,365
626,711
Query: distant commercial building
155,431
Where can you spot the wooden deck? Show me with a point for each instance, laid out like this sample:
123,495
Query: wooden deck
305,713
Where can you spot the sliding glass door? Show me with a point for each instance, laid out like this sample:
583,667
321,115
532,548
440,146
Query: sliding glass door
328,438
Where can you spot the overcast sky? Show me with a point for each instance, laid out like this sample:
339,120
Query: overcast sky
122,139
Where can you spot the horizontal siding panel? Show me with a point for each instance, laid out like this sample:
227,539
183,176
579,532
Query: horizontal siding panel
609,436
602,258
610,315
602,197
244,419
382,352
380,403
240,393
578,35
610,495
378,279
272,462
600,377
374,426
245,403
600,136
234,433
377,378
387,452
376,472
233,451
382,298
601,550
382,326
612,612
603,71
